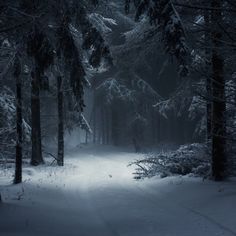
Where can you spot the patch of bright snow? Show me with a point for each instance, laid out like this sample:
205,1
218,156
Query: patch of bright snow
95,194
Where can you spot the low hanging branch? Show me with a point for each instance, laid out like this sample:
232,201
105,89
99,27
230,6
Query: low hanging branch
163,14
53,156
198,7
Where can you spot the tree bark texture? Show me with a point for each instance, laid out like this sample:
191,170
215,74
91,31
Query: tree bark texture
19,135
218,92
36,157
60,154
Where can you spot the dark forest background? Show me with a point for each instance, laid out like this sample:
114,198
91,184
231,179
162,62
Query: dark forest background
141,73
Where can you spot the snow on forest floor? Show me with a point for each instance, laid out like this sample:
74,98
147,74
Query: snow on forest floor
95,194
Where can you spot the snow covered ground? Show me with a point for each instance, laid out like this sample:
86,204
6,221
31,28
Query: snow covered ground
95,195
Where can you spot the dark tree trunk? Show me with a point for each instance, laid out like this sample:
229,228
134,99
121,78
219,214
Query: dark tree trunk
94,124
86,137
60,154
108,126
209,109
103,125
218,92
158,129
114,126
208,80
36,157
18,163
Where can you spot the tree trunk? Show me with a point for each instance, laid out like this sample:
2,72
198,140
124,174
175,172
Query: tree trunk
94,124
114,126
208,80
36,157
86,137
18,162
60,154
107,127
218,92
103,126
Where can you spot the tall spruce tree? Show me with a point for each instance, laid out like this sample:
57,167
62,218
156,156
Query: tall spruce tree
218,93
71,19
40,51
19,121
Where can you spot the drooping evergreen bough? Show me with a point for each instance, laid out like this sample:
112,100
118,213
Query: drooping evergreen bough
163,14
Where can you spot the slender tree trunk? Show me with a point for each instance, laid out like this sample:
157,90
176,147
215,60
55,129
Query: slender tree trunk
99,128
103,120
18,162
94,125
86,137
107,126
114,126
153,126
60,154
158,129
218,92
208,79
36,157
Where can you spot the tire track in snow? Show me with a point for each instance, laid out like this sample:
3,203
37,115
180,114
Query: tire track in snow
135,189
208,218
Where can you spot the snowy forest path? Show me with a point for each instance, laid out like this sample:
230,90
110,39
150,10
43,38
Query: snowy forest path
95,195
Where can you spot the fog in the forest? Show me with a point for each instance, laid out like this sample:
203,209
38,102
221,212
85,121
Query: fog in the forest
117,118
